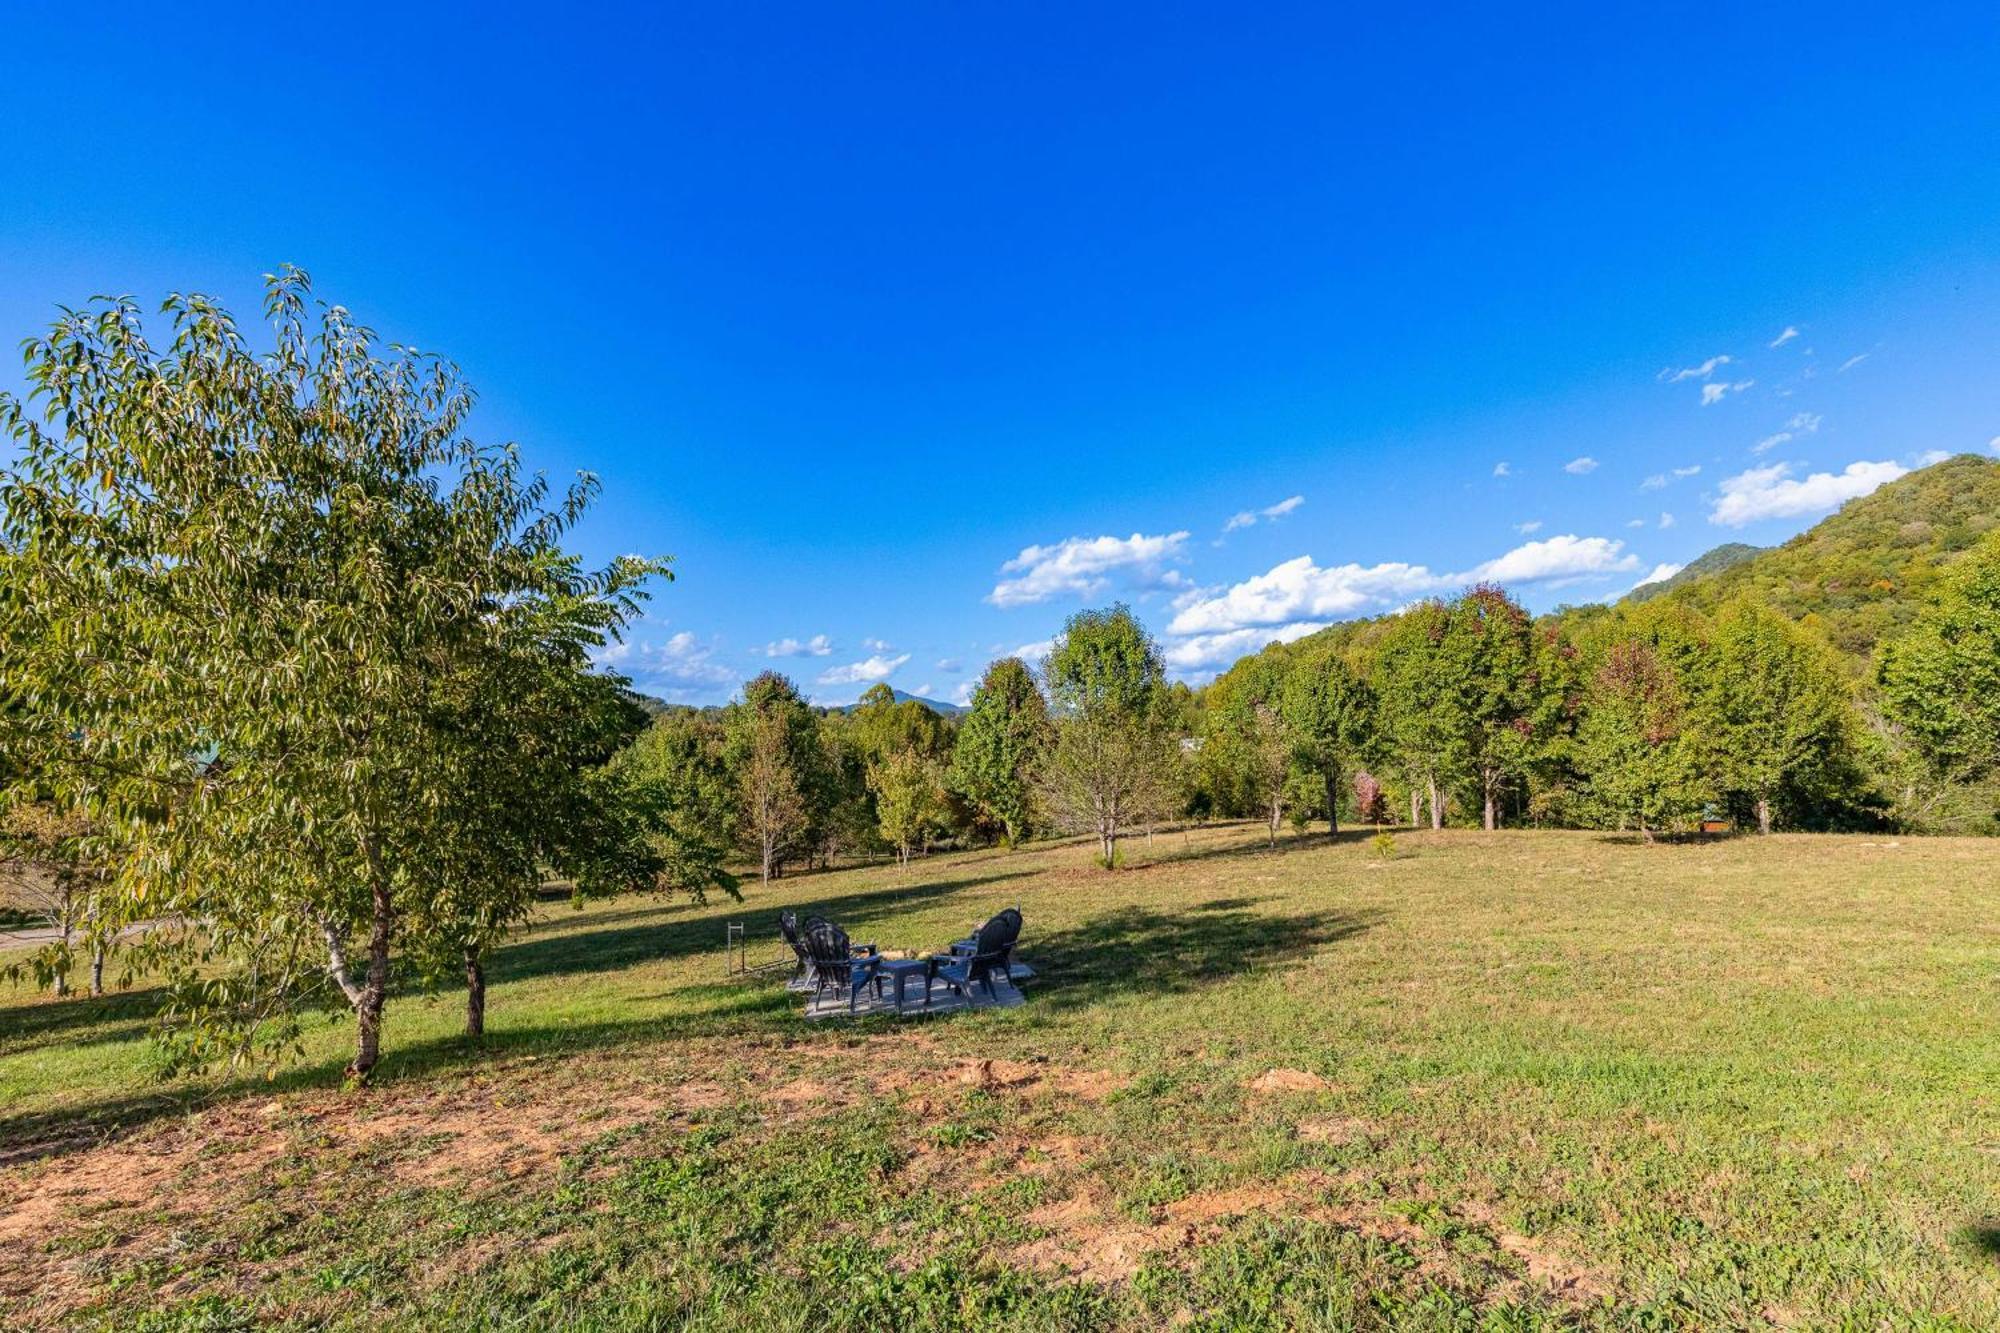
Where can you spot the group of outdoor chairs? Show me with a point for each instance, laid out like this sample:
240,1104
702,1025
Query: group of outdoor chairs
828,961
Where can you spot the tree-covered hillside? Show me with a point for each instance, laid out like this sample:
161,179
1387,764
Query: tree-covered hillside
1704,566
1862,576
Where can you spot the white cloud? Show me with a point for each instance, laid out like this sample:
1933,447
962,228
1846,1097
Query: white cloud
1210,650
1033,653
1298,590
1994,444
1851,363
950,664
1662,479
1790,333
1270,512
1661,573
1770,442
1500,469
1712,394
1529,528
1666,520
1564,558
1635,522
1654,482
1577,467
877,645
1930,456
866,671
1805,423
1700,372
1772,492
819,645
1692,470
962,696
680,668
1081,565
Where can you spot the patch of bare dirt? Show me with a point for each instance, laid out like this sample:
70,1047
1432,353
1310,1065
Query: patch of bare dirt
1547,1269
1288,1080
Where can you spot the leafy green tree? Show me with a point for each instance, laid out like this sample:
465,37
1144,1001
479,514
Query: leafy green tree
51,864
675,779
784,781
1000,744
1247,742
1420,692
257,611
1486,664
1640,744
1112,762
1780,713
1940,683
910,798
1331,716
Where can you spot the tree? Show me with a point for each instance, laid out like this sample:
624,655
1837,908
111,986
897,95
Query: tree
774,805
1639,744
1330,714
1941,682
250,606
1485,673
1780,714
1112,760
1247,745
1000,744
1423,721
47,865
910,796
675,779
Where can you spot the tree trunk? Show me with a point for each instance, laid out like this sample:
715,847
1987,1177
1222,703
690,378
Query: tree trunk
1277,813
1437,806
1416,804
1764,816
372,995
475,995
97,970
1332,803
1490,781
767,860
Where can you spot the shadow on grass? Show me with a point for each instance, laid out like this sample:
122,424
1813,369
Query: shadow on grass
1985,1238
1136,949
560,954
117,1015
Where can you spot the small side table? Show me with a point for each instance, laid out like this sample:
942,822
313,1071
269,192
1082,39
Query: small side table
902,969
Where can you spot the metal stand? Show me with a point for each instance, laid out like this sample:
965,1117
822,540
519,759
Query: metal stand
736,954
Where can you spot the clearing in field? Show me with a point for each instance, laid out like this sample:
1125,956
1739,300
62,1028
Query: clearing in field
1492,1080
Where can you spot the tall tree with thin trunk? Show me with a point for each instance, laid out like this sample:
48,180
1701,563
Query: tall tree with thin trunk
1111,763
1000,744
245,599
1330,714
1780,712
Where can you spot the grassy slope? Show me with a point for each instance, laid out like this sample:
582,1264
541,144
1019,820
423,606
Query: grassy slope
1539,1079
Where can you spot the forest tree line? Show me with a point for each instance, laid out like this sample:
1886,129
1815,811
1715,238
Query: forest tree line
1647,717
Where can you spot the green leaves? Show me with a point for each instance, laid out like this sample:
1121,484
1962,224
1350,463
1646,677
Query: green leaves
314,657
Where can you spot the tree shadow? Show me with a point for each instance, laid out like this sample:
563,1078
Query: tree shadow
551,954
1289,844
1136,949
1985,1237
115,1016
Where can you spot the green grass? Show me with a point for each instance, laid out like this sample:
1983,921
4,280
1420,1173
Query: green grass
1526,1080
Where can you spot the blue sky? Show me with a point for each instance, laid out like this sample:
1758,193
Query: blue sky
908,331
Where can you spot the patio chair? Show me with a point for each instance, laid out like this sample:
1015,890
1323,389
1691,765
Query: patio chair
835,965
989,953
802,972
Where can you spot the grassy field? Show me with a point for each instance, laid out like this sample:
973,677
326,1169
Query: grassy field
1505,1081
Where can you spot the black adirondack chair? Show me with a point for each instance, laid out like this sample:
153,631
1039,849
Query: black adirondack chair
835,965
989,953
802,972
